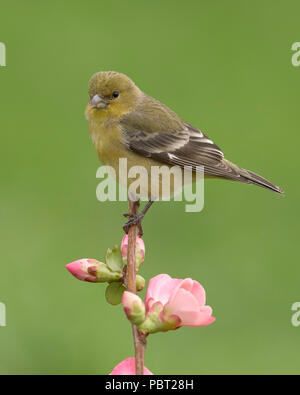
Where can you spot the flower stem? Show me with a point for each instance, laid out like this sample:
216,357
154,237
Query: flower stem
139,347
131,258
139,338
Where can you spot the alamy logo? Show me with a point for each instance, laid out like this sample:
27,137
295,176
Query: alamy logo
296,55
296,315
2,55
2,314
154,182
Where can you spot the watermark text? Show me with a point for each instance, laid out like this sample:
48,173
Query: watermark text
2,55
296,316
154,182
296,55
2,314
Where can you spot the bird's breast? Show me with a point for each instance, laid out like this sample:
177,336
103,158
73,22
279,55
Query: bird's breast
111,149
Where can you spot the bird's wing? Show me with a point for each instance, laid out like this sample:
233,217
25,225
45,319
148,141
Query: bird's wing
156,132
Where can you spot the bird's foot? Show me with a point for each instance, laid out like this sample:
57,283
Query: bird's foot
134,219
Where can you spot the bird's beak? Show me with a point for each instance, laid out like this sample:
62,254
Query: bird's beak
98,102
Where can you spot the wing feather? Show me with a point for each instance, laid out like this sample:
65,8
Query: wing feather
156,132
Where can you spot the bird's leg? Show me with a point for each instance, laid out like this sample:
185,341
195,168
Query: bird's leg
137,219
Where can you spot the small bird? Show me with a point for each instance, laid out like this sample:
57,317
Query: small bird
124,122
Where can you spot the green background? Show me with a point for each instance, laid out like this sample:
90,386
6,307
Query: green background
226,68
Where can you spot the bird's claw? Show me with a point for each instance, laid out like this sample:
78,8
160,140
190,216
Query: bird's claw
134,220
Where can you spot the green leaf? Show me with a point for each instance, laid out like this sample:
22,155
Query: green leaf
114,293
114,259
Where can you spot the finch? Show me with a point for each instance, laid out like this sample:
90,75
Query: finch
124,122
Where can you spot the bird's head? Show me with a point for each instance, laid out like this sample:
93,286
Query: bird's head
111,94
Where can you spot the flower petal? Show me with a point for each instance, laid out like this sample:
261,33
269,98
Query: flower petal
199,292
182,301
161,287
127,367
202,317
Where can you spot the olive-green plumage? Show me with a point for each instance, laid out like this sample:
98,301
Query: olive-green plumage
124,122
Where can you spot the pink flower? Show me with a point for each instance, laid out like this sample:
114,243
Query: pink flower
140,248
84,269
127,367
184,299
170,303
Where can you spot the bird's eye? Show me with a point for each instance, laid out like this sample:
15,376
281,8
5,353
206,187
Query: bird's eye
115,94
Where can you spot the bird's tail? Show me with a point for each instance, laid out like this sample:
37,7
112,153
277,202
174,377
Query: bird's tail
249,177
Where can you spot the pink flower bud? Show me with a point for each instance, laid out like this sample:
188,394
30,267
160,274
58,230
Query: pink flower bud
124,247
127,367
93,271
134,307
140,249
140,282
85,269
